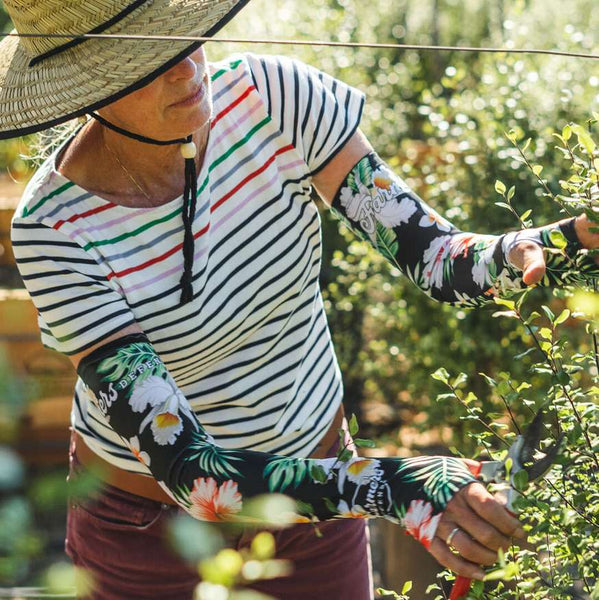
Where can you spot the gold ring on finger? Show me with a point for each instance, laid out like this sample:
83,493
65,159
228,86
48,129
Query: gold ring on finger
449,539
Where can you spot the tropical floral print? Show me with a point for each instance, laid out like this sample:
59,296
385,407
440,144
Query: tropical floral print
211,483
209,502
142,457
165,401
420,522
447,264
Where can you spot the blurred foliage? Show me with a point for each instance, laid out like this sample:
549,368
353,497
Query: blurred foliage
440,119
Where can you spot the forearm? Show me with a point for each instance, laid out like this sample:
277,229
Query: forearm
447,264
144,406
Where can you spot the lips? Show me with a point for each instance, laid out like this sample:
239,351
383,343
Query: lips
194,97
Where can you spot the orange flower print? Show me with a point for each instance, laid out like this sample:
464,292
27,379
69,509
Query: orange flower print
166,426
142,457
212,503
382,181
420,523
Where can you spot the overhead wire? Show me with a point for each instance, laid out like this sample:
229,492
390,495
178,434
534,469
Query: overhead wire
295,42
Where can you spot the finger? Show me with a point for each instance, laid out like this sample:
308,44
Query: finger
493,512
456,563
468,548
528,257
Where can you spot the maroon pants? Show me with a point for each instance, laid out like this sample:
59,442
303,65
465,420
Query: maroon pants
120,539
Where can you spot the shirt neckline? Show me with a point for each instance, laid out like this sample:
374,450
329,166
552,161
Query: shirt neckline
167,205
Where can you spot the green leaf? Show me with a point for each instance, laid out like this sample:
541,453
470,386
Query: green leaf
546,333
511,193
557,239
353,425
584,138
520,480
563,316
407,586
503,302
548,312
362,443
500,187
461,378
522,355
319,474
345,455
441,375
567,133
536,169
526,214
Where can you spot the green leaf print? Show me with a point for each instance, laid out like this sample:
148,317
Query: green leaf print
214,460
365,172
386,243
282,472
441,477
137,358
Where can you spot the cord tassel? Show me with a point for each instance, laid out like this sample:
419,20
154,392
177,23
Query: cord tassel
189,211
190,192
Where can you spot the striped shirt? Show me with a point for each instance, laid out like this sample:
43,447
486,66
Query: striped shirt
252,352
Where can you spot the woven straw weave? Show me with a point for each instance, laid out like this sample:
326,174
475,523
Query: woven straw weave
97,70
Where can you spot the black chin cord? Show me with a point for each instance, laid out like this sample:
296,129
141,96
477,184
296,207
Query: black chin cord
188,150
189,211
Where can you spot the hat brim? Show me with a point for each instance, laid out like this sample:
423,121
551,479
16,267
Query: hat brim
99,71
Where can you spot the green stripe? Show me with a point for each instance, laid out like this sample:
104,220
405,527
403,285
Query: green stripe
232,65
119,238
232,149
57,191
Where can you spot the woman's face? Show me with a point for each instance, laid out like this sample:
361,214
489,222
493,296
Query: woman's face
173,105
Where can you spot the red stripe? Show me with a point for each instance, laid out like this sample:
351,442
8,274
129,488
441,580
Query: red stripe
88,213
232,106
251,176
219,202
158,258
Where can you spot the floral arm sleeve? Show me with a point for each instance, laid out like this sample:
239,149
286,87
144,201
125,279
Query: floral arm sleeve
447,264
142,403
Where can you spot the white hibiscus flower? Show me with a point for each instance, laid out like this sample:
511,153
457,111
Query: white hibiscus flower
166,402
433,261
150,392
432,217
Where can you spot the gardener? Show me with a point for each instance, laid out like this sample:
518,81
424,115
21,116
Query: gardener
173,251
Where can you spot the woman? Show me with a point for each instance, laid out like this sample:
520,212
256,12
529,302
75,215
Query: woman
172,250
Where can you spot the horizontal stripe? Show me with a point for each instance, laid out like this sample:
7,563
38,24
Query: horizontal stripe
252,351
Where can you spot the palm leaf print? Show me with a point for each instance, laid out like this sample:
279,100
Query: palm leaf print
441,477
212,459
387,244
283,472
128,360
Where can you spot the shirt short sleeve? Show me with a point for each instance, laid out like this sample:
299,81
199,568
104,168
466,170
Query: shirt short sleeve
317,112
77,305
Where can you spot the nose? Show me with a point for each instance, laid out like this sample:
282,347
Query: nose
184,69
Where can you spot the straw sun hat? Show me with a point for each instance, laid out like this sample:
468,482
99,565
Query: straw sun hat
45,81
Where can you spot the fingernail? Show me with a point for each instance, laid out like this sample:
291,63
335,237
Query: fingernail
479,574
520,534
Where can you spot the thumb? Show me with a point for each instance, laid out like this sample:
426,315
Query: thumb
529,258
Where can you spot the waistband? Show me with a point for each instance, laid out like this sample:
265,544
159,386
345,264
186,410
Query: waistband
147,486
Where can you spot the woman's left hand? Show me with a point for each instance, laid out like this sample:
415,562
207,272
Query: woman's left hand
529,257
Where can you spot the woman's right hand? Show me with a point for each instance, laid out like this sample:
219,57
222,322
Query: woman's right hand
484,527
